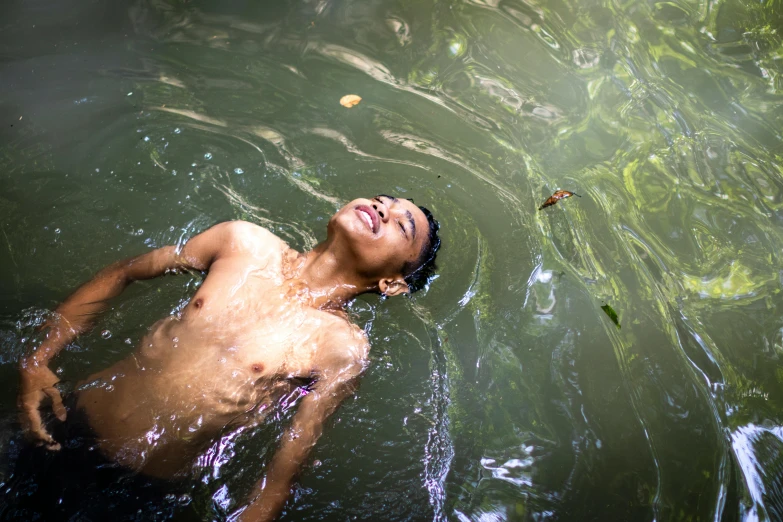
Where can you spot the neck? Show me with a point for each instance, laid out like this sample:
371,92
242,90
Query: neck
324,278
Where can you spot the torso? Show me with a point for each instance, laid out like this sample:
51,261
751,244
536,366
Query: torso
244,340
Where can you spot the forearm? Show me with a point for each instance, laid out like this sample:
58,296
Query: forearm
79,311
273,491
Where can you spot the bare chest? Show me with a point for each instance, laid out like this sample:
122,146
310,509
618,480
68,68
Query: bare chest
244,325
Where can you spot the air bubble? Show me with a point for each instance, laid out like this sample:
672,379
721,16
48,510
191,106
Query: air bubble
106,334
238,171
208,156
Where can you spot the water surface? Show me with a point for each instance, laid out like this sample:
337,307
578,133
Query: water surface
503,391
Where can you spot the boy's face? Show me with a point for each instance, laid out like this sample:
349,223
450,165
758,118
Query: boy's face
382,233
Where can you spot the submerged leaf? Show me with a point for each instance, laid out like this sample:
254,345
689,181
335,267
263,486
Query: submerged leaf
349,100
612,314
557,196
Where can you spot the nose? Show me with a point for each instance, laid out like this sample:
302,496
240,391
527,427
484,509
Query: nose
382,210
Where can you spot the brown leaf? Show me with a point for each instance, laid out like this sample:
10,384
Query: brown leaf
349,100
557,196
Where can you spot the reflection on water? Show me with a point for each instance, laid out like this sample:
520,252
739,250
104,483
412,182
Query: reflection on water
504,392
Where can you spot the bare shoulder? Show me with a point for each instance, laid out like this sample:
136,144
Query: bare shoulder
245,230
243,236
346,344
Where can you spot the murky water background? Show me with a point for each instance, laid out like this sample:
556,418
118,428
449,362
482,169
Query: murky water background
504,392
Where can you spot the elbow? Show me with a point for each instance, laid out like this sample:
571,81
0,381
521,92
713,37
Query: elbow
119,274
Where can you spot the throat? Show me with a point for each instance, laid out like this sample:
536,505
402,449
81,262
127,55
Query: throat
327,281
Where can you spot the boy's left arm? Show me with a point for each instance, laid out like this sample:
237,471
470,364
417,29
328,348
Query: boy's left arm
334,386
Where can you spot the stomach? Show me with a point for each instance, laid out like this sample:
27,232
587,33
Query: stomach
188,380
154,414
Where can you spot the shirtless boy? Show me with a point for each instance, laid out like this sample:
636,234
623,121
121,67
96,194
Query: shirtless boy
265,318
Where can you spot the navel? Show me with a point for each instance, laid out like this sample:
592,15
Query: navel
198,303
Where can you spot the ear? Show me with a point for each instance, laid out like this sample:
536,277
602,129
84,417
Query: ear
392,287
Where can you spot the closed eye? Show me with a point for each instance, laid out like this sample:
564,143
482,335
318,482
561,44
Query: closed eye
402,227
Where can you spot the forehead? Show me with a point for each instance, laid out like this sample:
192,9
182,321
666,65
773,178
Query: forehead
408,206
414,212
411,207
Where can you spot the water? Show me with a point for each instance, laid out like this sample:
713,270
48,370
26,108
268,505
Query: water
503,392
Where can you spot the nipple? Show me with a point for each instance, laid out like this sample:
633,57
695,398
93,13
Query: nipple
258,368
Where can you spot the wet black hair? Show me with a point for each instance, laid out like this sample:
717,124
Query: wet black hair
418,273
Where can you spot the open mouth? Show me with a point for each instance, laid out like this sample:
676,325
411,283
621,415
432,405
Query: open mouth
369,217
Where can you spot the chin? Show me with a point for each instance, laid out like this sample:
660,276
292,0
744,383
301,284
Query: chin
347,226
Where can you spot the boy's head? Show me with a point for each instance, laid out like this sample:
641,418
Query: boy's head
390,240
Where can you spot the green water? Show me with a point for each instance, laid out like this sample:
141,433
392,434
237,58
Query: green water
503,392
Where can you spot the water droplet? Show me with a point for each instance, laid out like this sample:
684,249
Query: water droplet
130,94
184,499
146,138
177,130
57,230
238,171
128,341
106,334
208,156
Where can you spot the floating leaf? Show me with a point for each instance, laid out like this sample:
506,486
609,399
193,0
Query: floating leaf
612,314
349,100
557,196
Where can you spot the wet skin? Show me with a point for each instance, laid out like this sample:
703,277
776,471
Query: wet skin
265,320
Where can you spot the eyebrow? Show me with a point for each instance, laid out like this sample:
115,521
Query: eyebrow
407,213
412,222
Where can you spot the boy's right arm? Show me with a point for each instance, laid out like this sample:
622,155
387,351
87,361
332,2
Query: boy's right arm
78,312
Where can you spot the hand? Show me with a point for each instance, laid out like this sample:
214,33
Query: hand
37,383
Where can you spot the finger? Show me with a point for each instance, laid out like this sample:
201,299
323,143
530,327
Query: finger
30,414
57,402
33,422
52,445
45,438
